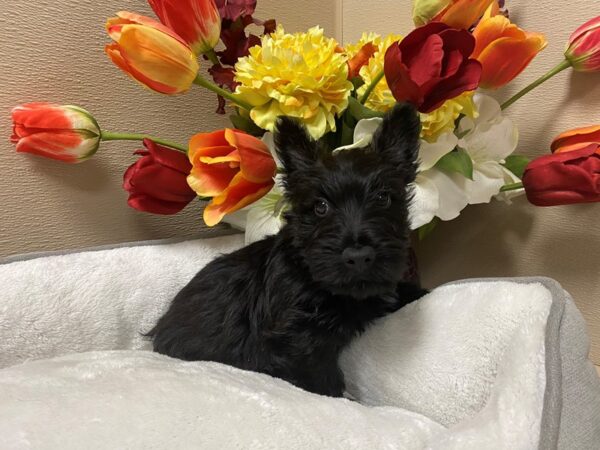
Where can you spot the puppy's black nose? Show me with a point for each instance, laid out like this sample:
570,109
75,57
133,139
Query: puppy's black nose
358,258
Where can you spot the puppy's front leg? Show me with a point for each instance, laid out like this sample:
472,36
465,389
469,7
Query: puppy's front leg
408,293
324,378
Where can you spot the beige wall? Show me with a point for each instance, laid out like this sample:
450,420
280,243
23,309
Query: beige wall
500,240
53,50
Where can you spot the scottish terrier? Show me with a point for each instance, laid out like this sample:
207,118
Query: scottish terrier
287,305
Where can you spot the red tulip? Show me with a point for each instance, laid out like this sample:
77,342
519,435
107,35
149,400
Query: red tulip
564,177
234,168
197,21
583,51
65,133
432,65
157,181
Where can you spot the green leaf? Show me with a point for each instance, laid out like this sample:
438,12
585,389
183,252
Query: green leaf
347,134
463,134
360,111
245,124
457,161
357,82
516,164
427,229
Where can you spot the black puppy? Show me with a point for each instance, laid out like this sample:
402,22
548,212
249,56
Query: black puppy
288,305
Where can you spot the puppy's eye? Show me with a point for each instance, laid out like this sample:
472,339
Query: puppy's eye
383,199
321,208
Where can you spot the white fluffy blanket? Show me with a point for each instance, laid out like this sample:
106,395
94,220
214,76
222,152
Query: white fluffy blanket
463,368
97,300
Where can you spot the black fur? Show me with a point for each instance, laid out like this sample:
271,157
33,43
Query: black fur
288,305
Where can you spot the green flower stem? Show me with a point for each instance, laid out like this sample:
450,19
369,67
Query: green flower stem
372,86
212,56
108,136
559,68
200,81
511,187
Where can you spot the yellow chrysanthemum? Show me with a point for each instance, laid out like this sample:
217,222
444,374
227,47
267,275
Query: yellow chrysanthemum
300,75
442,120
381,99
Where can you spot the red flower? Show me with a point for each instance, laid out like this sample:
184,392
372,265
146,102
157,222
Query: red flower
234,9
235,40
583,51
65,133
157,181
432,65
564,177
196,21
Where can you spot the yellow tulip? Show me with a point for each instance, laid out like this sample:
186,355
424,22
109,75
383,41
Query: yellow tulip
151,53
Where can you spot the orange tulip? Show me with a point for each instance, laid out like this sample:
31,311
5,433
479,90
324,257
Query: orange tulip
503,49
197,21
575,139
234,168
360,59
454,13
151,53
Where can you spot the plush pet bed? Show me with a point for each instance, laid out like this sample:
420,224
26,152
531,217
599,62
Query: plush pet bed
476,364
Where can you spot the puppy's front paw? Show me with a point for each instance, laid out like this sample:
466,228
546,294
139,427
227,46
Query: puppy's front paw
409,292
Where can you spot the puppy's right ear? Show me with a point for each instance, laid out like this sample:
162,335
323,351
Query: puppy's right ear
295,148
397,139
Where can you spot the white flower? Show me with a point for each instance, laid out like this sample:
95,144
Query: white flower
488,140
265,217
437,194
363,134
269,139
510,178
430,153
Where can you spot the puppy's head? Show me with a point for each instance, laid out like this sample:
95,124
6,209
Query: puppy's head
349,211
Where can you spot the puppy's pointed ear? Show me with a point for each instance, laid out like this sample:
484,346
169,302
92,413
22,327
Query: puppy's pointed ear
397,139
295,148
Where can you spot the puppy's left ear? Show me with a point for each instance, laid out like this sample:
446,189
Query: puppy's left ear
397,139
295,148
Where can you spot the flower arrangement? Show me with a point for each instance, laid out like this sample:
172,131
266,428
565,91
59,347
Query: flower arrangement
339,93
